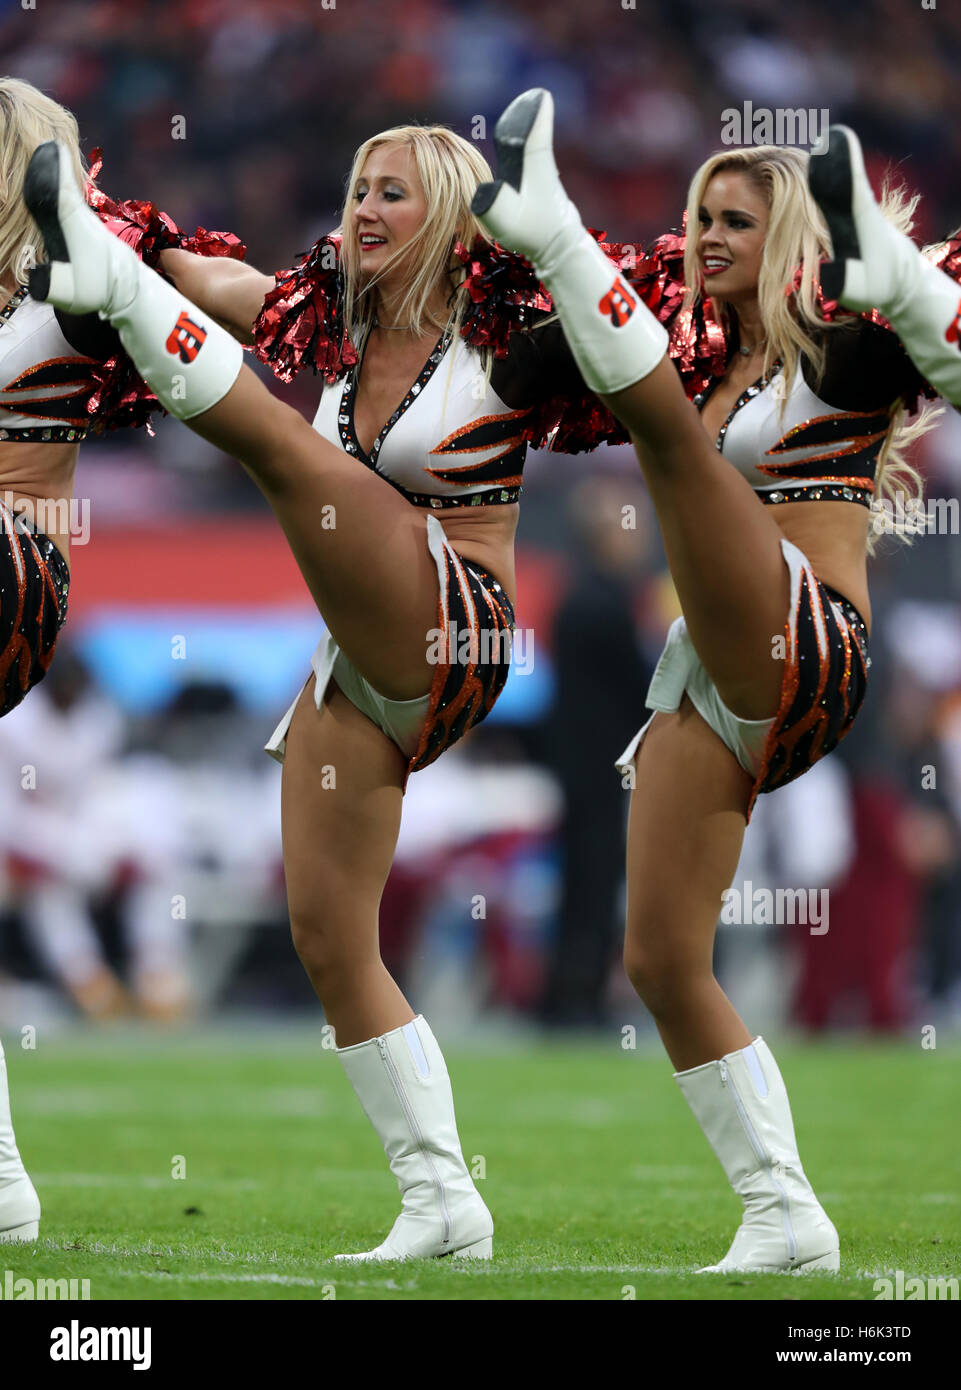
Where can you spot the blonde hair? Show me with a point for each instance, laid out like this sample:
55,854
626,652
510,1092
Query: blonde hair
797,235
28,118
450,169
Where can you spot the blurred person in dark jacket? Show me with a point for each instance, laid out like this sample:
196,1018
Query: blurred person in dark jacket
602,678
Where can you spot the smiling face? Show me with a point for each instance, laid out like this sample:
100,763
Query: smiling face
388,207
733,219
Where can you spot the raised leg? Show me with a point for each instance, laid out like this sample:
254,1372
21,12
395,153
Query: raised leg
360,546
722,546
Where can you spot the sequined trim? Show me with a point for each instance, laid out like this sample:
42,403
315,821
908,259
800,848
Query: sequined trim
818,492
746,395
345,416
489,497
51,434
839,489
13,304
351,444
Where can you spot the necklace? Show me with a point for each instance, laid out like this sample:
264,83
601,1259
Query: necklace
746,351
392,327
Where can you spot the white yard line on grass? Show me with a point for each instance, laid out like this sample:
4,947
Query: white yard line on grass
470,1268
139,1180
473,1268
293,1279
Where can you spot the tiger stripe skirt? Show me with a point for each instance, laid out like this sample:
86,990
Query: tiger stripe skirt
826,663
469,652
34,582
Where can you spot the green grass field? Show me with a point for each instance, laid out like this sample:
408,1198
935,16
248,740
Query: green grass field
597,1176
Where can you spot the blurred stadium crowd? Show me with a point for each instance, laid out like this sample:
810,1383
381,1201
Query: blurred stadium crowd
142,863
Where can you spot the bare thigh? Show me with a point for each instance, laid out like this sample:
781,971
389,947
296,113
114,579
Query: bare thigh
685,832
360,545
722,544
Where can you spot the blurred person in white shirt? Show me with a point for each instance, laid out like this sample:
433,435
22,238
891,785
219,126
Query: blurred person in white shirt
77,822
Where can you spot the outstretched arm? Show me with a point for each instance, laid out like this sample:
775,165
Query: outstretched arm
230,291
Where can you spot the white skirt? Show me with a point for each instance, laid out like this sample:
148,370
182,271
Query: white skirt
401,720
680,671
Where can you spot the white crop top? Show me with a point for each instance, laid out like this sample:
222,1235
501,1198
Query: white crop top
45,381
451,441
813,452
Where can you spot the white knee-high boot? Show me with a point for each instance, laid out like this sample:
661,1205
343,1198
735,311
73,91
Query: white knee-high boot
402,1083
742,1106
19,1204
188,360
614,337
877,267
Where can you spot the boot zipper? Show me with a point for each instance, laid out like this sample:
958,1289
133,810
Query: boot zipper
418,1135
766,1162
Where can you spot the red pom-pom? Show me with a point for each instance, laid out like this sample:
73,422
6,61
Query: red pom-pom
505,295
697,345
149,231
301,322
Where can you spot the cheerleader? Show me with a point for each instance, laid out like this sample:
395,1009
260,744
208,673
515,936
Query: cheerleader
400,507
60,375
764,502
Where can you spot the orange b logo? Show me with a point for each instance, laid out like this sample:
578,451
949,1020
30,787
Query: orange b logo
618,304
954,328
187,338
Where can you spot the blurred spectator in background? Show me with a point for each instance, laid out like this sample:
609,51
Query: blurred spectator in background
78,822
941,977
801,837
894,916
601,684
228,876
921,728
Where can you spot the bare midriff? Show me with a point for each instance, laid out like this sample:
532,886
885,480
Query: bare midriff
833,535
484,536
37,479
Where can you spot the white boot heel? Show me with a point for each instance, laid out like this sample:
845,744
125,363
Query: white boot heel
837,180
480,1250
25,1233
19,1204
76,276
828,1264
527,208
